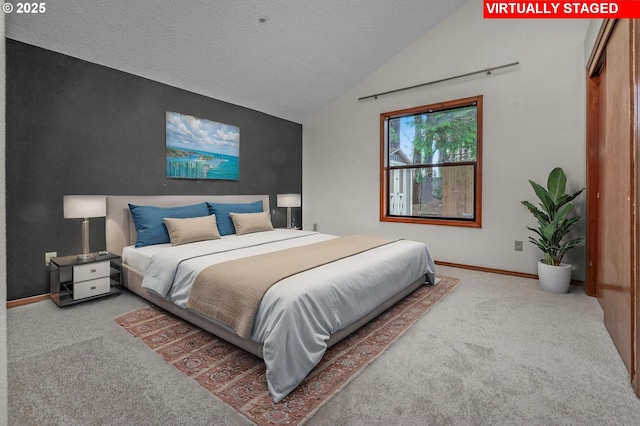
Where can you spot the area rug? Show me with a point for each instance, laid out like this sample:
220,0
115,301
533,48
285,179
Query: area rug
238,377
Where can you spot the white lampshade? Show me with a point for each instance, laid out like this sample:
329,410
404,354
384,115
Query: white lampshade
84,206
288,200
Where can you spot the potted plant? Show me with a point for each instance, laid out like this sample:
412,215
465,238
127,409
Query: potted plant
554,224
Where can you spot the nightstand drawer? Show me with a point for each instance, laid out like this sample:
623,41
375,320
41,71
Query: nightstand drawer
90,271
91,288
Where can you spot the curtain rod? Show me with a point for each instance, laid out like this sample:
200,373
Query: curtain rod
486,71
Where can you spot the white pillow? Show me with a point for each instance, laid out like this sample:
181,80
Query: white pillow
191,230
247,223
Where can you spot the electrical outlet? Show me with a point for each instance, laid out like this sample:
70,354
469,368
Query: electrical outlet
518,245
48,256
315,227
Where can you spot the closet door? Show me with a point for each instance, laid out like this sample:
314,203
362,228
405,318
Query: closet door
614,273
611,189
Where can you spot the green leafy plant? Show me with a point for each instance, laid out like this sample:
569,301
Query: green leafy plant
552,216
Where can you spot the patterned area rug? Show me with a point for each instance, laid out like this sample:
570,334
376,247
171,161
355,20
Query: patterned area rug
238,378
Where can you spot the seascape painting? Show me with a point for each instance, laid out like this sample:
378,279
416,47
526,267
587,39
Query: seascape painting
201,149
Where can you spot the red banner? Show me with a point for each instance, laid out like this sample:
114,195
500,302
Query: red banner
561,9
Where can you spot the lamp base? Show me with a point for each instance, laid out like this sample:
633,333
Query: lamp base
289,224
84,257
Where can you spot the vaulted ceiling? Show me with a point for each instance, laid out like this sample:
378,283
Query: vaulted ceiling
287,58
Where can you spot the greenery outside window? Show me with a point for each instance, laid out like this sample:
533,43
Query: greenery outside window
431,164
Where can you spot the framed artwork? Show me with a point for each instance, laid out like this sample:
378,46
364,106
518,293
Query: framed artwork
201,149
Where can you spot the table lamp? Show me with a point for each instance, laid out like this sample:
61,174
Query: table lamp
84,207
288,201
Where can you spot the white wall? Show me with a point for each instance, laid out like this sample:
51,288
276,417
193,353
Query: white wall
590,39
534,120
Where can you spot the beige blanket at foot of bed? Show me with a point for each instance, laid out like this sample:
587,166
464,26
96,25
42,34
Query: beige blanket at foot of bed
230,292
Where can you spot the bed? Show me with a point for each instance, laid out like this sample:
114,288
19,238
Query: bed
299,316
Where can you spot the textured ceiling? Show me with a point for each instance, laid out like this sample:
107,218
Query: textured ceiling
306,53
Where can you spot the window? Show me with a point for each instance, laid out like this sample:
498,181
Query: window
431,164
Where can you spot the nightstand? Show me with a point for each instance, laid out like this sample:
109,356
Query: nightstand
75,281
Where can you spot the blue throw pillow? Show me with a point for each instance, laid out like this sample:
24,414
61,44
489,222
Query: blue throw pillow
223,219
149,221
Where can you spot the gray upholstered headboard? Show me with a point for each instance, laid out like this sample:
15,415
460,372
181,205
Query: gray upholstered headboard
119,226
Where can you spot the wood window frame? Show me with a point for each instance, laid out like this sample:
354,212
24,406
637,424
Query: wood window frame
476,222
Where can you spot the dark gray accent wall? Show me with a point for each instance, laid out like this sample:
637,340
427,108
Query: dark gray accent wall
74,127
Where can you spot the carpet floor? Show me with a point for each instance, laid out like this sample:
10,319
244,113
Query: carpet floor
496,351
238,378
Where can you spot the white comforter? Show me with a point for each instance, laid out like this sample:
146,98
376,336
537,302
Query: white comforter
297,315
